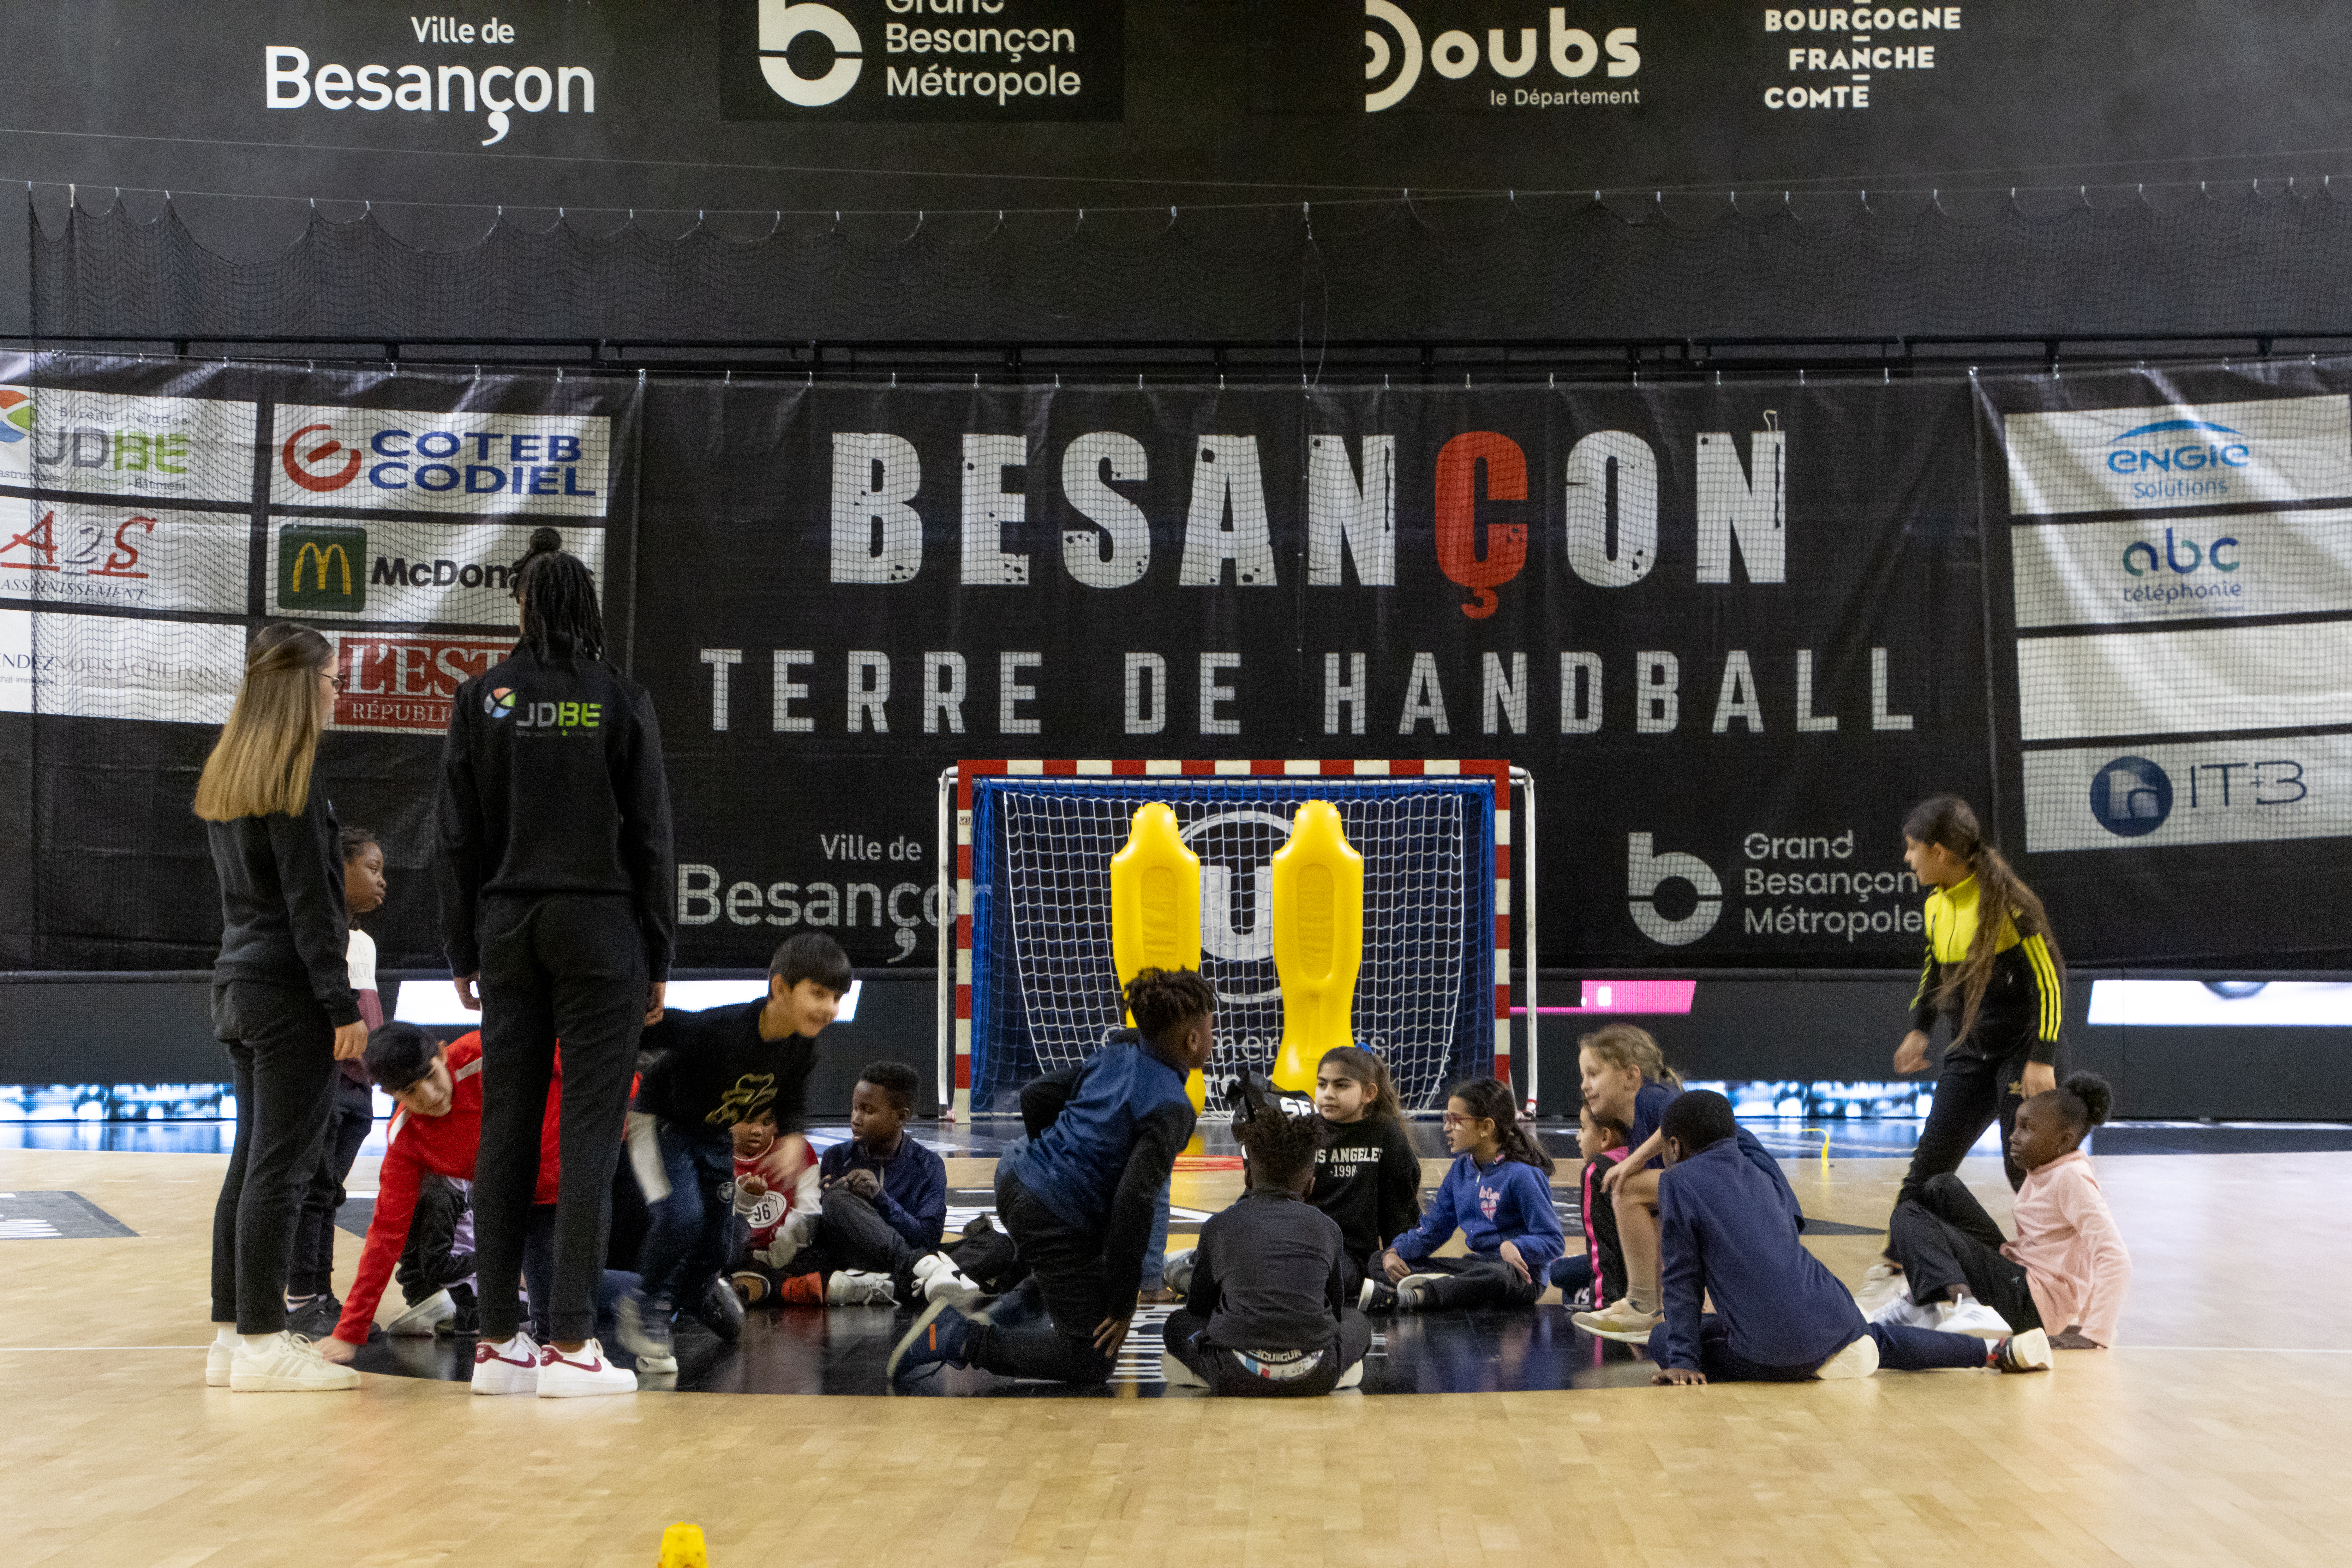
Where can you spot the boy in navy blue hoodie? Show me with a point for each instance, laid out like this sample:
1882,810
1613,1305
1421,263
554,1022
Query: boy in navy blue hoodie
885,1198
1077,1201
1500,1193
1727,1231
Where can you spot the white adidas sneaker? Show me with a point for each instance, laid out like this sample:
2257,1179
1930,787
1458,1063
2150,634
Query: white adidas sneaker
1881,1283
1900,1311
218,1357
1970,1316
287,1364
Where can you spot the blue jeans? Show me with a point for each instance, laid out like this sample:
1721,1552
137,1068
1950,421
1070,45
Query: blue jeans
686,1236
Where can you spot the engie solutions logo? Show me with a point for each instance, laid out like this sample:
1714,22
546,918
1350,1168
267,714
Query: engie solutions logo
997,61
323,569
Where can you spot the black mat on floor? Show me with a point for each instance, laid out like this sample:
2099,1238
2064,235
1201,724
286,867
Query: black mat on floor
55,1216
2223,1138
842,1350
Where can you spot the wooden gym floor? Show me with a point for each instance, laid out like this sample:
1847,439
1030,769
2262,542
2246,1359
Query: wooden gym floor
2220,1433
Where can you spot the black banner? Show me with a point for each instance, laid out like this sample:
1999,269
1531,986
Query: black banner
1733,634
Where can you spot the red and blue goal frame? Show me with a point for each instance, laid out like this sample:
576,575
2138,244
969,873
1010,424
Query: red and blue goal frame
956,873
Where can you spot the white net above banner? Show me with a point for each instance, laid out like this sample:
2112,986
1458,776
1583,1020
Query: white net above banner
1046,991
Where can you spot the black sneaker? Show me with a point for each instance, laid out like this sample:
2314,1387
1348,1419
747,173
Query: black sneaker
316,1319
721,1310
1377,1296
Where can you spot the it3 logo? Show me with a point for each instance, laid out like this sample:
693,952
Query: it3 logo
2141,557
1455,53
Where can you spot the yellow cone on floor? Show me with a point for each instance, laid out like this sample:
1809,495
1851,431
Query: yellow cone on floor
1155,906
682,1547
1318,942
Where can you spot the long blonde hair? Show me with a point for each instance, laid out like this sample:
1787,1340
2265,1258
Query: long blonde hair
1630,1045
261,764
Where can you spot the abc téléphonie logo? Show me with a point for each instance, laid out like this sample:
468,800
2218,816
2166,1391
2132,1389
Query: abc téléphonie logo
318,458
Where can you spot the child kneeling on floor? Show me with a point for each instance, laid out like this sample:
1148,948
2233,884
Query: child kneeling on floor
1500,1193
2067,1266
1268,1315
1078,1199
1727,1231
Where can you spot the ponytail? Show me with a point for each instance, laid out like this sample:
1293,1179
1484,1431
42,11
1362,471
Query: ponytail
1366,1067
2002,898
1490,1100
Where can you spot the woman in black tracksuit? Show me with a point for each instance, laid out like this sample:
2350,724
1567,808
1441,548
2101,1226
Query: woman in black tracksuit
557,897
282,1000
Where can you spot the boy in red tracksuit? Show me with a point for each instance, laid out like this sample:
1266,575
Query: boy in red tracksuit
437,1130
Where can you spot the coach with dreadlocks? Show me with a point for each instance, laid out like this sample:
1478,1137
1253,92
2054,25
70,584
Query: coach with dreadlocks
556,897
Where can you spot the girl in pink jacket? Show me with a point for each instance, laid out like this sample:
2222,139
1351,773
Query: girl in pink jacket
2067,1270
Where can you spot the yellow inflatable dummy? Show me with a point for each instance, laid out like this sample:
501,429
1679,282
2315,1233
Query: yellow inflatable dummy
1318,942
1155,906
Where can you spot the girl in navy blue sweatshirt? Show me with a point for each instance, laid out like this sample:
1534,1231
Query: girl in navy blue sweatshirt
1500,1194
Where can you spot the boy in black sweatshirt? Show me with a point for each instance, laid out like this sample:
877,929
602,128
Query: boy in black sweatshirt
1269,1315
720,1067
1727,1231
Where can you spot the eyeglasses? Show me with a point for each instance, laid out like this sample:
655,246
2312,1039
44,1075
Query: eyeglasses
1451,1120
334,680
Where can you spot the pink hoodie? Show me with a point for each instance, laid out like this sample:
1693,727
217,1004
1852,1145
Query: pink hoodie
2073,1254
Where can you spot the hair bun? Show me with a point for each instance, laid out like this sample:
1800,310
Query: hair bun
2097,1098
545,542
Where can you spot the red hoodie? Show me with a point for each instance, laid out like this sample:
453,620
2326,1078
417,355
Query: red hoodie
444,1145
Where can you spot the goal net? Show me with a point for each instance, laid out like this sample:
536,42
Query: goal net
1037,987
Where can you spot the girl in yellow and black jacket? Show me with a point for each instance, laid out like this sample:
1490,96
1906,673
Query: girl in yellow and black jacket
1997,977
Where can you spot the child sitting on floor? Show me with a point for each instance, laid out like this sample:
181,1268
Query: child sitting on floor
1268,1315
1367,1178
1500,1194
776,1189
1729,1232
1594,1276
2067,1266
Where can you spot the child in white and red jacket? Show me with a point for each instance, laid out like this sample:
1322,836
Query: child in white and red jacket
2067,1271
776,1193
438,1131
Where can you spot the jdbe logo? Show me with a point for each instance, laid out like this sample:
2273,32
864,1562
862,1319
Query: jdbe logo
322,568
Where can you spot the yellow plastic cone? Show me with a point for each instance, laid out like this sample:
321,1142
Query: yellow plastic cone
1155,906
682,1547
1318,942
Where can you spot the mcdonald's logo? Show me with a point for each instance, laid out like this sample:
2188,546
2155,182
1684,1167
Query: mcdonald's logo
322,569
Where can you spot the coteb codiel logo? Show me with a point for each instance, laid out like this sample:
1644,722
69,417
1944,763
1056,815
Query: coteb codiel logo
996,60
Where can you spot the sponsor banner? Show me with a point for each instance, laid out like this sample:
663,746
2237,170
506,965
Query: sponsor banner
1007,61
379,570
185,449
2180,455
2253,564
542,464
114,667
2207,792
401,684
2184,682
122,557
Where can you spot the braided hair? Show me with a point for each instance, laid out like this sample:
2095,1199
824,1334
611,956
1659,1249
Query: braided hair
1490,1100
560,617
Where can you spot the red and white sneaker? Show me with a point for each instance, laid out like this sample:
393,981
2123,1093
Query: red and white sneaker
510,1368
585,1371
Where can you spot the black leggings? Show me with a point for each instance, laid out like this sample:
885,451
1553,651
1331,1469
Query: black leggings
348,1124
1943,1237
1971,1093
565,966
1242,1374
1066,1281
1479,1282
281,1051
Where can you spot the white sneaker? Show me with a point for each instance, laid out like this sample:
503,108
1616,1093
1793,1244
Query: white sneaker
1881,1283
1970,1316
1902,1312
512,1368
941,1281
1351,1378
287,1364
854,1288
1176,1270
218,1357
1859,1358
1178,1375
584,1371
657,1365
1619,1321
1412,1292
2027,1351
420,1321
